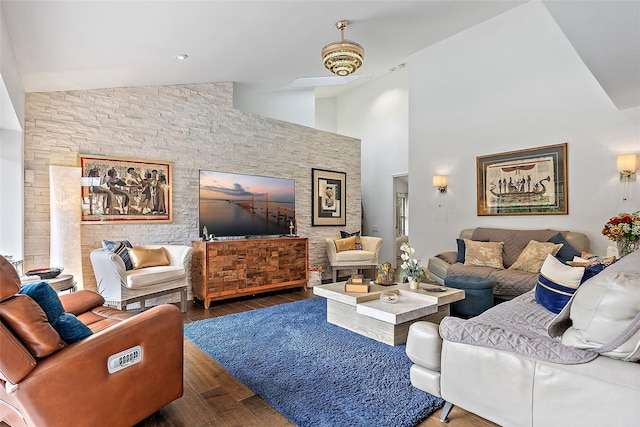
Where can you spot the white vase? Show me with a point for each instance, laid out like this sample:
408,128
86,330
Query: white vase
413,284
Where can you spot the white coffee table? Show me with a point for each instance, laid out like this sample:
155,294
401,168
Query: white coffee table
365,314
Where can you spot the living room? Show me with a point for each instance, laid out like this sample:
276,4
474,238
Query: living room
508,82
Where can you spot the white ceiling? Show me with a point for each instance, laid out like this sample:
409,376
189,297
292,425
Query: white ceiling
65,45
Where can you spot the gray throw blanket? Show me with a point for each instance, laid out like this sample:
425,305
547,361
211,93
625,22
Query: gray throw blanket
518,326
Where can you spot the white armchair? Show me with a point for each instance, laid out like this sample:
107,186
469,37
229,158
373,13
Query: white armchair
367,258
120,287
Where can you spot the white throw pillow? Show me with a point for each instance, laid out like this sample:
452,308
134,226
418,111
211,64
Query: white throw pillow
599,312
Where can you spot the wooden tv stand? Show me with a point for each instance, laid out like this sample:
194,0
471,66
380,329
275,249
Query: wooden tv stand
232,268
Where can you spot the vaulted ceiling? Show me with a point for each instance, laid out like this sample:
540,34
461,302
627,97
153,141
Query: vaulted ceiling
64,45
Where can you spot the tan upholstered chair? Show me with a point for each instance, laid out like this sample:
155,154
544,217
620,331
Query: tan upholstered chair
121,287
367,258
129,367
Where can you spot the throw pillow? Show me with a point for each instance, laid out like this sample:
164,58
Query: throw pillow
566,252
483,254
120,249
591,266
345,234
143,257
602,314
557,283
346,244
462,249
533,256
67,325
29,322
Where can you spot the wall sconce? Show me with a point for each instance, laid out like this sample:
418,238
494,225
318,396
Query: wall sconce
440,182
627,165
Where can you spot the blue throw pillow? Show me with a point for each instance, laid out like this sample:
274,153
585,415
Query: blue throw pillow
566,252
120,249
67,325
344,234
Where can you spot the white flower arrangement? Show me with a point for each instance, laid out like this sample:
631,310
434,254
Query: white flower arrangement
410,264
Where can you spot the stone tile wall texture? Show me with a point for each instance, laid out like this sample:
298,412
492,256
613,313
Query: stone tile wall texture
195,127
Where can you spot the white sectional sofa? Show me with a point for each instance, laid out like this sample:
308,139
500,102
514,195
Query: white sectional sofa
544,370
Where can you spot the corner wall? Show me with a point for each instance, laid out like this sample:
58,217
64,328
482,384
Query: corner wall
195,127
511,83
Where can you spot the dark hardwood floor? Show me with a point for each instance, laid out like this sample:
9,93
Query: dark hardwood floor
213,397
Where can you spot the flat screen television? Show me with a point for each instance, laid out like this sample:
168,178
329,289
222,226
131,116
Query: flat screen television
240,205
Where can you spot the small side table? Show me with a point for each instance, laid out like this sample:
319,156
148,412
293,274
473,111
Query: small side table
62,283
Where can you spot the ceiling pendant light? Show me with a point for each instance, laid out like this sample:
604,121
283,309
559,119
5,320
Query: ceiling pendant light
343,57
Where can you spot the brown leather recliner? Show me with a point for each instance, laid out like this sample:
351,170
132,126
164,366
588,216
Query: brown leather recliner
73,386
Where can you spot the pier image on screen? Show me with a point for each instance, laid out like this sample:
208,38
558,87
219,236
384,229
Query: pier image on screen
234,204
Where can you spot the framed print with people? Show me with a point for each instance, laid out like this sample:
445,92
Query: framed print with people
125,190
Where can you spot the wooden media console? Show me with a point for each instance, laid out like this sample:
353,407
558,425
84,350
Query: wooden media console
232,268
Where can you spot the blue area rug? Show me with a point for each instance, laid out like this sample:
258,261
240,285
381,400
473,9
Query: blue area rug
313,372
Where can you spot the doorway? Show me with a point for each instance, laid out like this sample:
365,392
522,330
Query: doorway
401,214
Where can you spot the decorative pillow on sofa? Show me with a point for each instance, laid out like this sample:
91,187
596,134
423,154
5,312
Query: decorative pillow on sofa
29,322
346,244
602,316
533,255
483,254
557,283
119,248
345,234
462,248
566,252
67,325
143,257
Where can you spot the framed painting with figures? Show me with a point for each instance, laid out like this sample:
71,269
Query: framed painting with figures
328,197
125,190
524,182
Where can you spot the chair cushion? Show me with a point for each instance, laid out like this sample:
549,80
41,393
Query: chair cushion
151,276
67,325
27,319
119,248
355,256
145,257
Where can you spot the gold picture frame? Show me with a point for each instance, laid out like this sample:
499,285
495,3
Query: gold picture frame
524,182
328,197
125,190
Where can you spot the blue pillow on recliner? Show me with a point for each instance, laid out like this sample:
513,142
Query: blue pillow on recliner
67,325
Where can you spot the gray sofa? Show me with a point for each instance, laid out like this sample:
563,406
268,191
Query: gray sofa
507,283
536,368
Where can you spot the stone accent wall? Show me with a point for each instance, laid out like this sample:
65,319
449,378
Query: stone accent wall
195,127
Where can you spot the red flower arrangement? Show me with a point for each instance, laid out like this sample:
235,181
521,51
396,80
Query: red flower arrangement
623,228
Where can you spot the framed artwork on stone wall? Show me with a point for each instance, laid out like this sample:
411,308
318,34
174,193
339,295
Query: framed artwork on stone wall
329,195
524,182
125,190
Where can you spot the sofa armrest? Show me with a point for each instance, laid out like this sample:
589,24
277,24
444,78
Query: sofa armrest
424,345
438,269
331,251
80,371
371,244
110,273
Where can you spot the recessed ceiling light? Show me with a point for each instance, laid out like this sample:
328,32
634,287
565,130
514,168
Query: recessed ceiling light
182,56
